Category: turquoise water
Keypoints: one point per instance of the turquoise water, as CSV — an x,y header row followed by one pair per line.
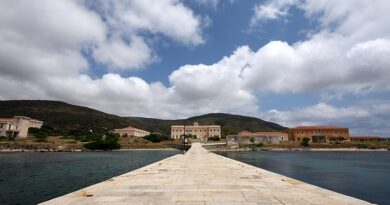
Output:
x,y
30,178
364,175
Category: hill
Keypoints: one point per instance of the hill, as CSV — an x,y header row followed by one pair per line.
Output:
x,y
236,123
64,117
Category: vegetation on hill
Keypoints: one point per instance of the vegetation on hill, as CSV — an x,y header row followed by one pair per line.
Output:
x,y
78,122
65,119
230,124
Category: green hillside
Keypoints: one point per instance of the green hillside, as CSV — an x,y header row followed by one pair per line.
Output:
x,y
236,123
64,117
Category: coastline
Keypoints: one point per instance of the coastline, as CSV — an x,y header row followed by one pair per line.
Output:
x,y
82,150
298,150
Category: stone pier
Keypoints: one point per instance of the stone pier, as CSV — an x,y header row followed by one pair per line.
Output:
x,y
201,177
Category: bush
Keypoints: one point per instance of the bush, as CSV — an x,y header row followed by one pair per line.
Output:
x,y
156,137
259,144
214,138
305,142
40,140
103,142
361,146
101,145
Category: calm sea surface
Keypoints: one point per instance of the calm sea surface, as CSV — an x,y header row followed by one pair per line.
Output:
x,y
364,175
30,178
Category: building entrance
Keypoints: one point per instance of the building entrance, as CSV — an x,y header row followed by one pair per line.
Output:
x,y
318,138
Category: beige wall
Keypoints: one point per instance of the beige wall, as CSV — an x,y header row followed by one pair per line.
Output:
x,y
200,131
131,131
18,126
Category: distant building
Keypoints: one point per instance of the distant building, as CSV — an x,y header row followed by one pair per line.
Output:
x,y
131,131
246,137
317,133
17,127
367,139
198,131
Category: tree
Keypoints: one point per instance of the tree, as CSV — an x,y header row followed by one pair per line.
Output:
x,y
104,142
252,140
336,140
154,137
305,142
213,138
226,130
340,140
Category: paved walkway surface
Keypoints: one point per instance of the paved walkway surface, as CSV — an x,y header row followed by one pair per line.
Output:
x,y
201,177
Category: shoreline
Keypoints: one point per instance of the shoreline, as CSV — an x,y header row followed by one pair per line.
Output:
x,y
300,150
81,150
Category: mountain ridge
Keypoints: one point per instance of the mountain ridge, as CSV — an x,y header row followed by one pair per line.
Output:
x,y
64,116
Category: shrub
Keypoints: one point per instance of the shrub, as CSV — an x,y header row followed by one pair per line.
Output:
x,y
214,138
40,140
154,137
259,144
361,146
305,142
103,142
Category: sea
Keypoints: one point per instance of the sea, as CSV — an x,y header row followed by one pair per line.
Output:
x,y
360,174
34,177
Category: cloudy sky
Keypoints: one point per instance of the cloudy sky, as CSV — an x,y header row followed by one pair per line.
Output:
x,y
293,62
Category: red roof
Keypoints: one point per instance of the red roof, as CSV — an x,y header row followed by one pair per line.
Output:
x,y
6,119
130,128
365,137
318,127
245,133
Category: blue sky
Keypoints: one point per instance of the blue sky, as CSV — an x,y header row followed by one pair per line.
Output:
x,y
293,62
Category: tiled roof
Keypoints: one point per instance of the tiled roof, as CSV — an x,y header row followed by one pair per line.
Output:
x,y
6,119
365,137
131,128
318,127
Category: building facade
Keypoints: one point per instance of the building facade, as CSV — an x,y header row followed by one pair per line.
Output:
x,y
202,132
17,127
246,137
131,131
320,134
367,139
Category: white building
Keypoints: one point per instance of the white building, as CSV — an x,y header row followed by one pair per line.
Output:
x,y
199,131
131,131
17,127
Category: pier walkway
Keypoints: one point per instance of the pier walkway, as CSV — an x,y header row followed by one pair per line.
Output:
x,y
201,177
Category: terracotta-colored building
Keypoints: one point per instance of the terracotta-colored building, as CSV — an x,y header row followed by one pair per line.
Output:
x,y
317,133
366,139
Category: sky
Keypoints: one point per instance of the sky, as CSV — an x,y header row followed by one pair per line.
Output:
x,y
292,62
